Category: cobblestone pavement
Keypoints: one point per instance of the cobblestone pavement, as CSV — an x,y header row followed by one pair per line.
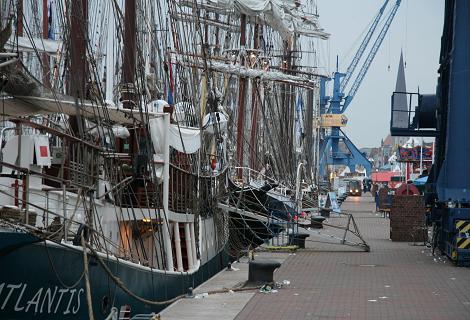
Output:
x,y
392,281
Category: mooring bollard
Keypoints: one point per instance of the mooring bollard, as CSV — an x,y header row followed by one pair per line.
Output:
x,y
325,212
298,239
262,271
190,293
317,222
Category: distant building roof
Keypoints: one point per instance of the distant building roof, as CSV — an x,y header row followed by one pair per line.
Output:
x,y
375,152
388,141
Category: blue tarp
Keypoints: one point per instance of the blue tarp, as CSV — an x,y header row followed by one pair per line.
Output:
x,y
420,181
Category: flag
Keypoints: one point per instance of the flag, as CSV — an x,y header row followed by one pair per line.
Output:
x,y
170,97
171,86
298,122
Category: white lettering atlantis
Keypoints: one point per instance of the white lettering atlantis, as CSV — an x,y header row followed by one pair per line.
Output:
x,y
62,291
50,299
17,308
34,300
44,300
81,291
67,311
12,287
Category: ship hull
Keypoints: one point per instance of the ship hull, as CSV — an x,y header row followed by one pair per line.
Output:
x,y
45,281
248,232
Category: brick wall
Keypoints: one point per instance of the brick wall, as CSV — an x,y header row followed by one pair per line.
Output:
x,y
407,215
384,198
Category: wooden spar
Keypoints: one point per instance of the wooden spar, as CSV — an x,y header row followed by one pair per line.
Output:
x,y
77,68
296,71
19,16
186,17
45,20
128,70
254,108
78,32
45,35
241,104
52,131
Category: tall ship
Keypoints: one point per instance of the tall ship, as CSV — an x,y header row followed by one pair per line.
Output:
x,y
270,86
108,196
144,144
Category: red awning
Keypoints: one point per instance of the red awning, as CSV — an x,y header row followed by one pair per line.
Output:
x,y
383,176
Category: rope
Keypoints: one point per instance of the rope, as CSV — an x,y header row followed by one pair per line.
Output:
x,y
112,314
57,273
121,285
87,281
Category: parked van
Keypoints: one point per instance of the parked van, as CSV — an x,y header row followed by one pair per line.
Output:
x,y
355,188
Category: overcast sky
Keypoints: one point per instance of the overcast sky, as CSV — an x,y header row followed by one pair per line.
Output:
x,y
416,29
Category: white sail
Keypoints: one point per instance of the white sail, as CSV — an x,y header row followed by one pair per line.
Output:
x,y
25,44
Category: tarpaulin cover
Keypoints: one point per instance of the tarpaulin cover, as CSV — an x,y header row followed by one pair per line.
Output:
x,y
183,139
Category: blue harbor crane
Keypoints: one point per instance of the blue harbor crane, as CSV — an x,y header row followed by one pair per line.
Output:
x,y
333,107
445,115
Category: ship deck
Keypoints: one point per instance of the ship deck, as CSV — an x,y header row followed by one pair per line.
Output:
x,y
395,280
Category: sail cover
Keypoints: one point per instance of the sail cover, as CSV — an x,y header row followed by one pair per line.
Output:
x,y
284,16
183,139
242,71
25,44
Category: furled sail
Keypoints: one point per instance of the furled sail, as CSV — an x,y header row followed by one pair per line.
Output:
x,y
242,71
283,16
25,44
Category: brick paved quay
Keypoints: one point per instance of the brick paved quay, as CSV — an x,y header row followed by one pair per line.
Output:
x,y
393,281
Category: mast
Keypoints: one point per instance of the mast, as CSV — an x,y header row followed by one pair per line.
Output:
x,y
293,159
241,102
77,68
45,35
110,56
76,87
286,130
309,131
78,32
254,107
128,72
20,16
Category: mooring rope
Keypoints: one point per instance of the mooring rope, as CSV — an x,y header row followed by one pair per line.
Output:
x,y
121,285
